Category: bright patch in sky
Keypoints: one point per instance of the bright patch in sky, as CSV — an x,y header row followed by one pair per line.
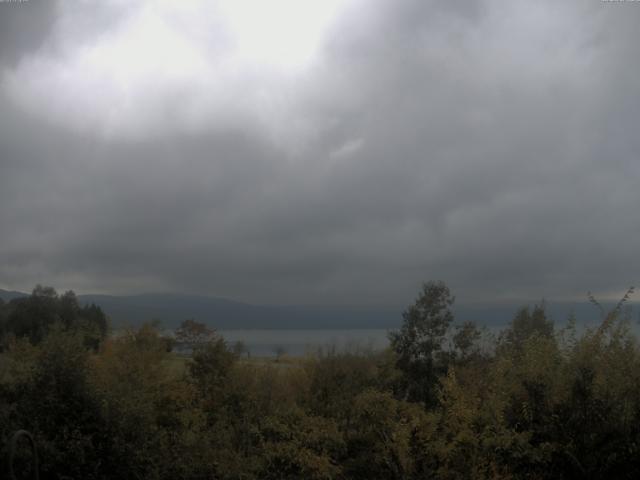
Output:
x,y
284,33
166,64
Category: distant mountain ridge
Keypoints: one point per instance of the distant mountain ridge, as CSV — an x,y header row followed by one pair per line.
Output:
x,y
170,309
8,295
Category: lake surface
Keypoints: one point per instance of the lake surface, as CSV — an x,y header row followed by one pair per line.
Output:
x,y
298,342
265,343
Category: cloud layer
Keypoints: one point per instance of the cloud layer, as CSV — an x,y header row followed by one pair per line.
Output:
x,y
493,145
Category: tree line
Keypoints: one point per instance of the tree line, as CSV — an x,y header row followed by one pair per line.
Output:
x,y
444,401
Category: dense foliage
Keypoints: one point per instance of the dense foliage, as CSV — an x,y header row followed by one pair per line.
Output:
x,y
444,401
34,316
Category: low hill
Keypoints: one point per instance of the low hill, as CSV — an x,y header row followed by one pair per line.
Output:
x,y
171,309
8,295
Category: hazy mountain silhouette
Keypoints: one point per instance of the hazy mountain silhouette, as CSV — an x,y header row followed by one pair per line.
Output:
x,y
8,295
171,309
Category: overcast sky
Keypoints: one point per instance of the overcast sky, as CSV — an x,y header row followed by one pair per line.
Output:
x,y
320,152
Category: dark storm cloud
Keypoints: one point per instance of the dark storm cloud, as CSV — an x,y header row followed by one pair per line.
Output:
x,y
491,145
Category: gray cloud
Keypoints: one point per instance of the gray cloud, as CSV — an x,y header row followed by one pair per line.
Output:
x,y
491,145
24,27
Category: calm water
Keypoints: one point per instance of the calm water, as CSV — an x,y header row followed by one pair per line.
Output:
x,y
262,343
265,343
